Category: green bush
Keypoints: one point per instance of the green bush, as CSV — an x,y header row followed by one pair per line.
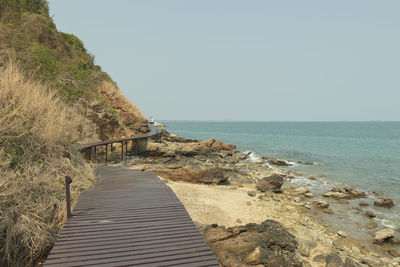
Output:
x,y
17,7
45,62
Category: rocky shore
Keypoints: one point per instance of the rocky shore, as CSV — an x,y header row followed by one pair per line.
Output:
x,y
250,214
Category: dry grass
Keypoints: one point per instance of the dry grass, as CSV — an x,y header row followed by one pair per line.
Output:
x,y
37,133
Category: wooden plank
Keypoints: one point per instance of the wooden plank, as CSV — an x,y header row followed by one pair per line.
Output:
x,y
129,218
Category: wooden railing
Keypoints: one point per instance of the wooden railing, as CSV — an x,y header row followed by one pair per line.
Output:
x,y
154,132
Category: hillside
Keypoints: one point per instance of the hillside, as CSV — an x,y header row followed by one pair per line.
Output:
x,y
52,97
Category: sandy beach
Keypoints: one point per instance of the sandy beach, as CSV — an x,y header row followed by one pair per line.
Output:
x,y
222,190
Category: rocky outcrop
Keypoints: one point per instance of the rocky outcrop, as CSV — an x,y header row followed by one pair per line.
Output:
x,y
271,183
265,244
201,175
218,145
383,236
344,192
320,204
275,162
384,202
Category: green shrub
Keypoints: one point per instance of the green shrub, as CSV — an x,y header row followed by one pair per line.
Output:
x,y
74,41
44,62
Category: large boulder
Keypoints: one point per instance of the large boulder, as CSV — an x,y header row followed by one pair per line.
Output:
x,y
267,244
384,202
272,183
344,192
198,175
333,260
383,236
218,145
320,204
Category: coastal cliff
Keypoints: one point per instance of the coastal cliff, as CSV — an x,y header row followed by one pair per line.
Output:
x,y
52,97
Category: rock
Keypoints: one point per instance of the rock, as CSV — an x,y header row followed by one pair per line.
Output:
x,y
383,235
218,145
333,260
312,178
201,175
306,264
301,191
304,249
239,221
309,195
394,252
278,261
254,256
271,183
338,245
252,193
328,211
248,203
268,244
342,233
350,263
308,163
355,250
363,204
320,204
370,214
384,202
320,258
371,261
344,192
322,176
276,162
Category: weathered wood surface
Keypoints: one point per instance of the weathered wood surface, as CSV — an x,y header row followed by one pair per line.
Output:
x,y
130,218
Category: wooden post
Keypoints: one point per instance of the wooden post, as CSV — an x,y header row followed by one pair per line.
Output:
x,y
90,153
68,181
122,150
95,153
126,148
106,153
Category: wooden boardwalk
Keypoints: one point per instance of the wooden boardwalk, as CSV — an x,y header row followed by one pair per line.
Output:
x,y
130,218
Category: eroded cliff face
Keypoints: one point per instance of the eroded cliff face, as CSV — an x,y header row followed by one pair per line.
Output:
x,y
60,61
113,116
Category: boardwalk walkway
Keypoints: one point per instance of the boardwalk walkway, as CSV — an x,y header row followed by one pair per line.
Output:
x,y
130,218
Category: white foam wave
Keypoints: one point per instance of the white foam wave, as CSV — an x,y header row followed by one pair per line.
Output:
x,y
253,157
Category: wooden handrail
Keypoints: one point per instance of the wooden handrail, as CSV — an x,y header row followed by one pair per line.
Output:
x,y
154,131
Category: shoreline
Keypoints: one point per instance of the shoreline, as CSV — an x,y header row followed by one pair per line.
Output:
x,y
291,208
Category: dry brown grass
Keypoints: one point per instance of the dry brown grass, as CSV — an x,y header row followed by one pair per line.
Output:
x,y
37,133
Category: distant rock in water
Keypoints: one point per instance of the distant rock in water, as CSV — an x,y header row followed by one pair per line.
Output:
x,y
276,162
267,244
218,145
344,192
384,202
320,204
383,236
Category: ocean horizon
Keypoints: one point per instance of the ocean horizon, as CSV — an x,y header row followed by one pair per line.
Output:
x,y
363,154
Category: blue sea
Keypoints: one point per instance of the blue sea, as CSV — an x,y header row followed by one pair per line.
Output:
x,y
361,154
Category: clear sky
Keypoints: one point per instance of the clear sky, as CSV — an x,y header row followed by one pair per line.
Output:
x,y
246,60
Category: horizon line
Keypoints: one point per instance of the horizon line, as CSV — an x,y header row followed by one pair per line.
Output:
x,y
172,120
